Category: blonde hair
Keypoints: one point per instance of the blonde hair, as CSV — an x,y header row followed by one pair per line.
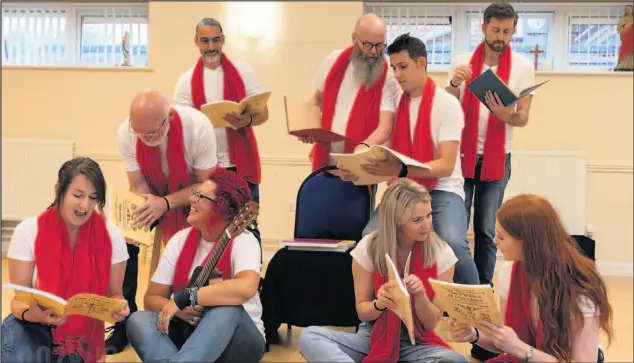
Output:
x,y
394,211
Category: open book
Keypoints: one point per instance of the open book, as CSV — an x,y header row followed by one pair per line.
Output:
x,y
468,304
353,162
90,305
303,119
402,297
121,206
216,111
489,81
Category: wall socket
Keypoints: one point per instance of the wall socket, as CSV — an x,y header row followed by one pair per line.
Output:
x,y
291,206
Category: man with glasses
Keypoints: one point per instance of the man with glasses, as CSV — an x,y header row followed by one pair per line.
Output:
x,y
166,151
356,92
215,78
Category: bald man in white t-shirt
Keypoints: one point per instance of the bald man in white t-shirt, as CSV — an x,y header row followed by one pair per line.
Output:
x,y
166,151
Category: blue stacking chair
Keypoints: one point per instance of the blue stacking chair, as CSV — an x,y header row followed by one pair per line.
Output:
x,y
304,288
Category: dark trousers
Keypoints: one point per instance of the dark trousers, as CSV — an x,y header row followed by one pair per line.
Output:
x,y
130,280
486,196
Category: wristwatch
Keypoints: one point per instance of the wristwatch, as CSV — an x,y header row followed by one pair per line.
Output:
x,y
528,354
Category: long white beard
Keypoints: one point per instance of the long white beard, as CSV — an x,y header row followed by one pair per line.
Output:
x,y
366,70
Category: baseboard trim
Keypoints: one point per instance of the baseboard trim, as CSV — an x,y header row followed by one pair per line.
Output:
x,y
616,269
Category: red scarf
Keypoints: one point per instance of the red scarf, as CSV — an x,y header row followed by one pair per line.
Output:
x,y
627,42
518,314
187,255
423,146
385,338
65,273
494,155
243,147
149,159
364,115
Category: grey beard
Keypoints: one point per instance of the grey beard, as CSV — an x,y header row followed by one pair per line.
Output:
x,y
366,70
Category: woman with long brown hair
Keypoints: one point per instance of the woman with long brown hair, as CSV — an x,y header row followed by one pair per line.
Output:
x,y
553,300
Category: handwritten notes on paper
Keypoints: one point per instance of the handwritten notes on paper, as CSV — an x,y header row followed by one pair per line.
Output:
x,y
469,304
121,206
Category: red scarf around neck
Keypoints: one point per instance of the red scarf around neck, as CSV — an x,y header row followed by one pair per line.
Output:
x,y
518,313
627,43
385,338
494,156
364,115
243,146
188,254
149,159
66,272
422,147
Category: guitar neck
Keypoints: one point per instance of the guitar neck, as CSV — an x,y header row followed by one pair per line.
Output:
x,y
218,249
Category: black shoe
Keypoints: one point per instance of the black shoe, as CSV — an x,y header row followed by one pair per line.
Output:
x,y
117,340
482,354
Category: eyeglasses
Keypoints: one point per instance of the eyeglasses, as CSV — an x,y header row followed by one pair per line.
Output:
x,y
368,45
197,195
151,134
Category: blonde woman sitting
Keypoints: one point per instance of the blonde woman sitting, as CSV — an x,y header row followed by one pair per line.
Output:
x,y
553,300
405,225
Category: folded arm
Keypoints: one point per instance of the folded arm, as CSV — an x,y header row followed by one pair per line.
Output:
x,y
235,291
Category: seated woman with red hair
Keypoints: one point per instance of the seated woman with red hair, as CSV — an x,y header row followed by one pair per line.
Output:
x,y
226,316
553,300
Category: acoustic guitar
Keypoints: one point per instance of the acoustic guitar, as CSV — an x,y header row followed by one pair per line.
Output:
x,y
180,330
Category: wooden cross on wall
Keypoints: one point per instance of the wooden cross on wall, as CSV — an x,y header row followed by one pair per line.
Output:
x,y
537,52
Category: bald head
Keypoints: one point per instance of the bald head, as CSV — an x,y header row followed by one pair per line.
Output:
x,y
149,110
370,23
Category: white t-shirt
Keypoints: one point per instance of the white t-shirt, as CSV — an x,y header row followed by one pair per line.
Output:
x,y
446,258
245,256
522,76
447,121
199,142
214,90
22,246
504,284
348,93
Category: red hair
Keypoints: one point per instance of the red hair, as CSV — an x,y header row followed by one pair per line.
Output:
x,y
559,274
232,192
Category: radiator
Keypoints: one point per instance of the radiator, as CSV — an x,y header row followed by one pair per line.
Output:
x,y
559,176
29,174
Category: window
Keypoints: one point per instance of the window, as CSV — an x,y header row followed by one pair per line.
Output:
x,y
531,34
431,25
565,37
75,36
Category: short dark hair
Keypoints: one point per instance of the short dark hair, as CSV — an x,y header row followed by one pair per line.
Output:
x,y
74,167
414,47
500,11
209,22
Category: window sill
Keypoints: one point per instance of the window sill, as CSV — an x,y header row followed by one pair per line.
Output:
x,y
441,72
80,68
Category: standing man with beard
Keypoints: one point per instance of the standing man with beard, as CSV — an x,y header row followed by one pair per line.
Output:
x,y
356,92
487,135
166,152
216,78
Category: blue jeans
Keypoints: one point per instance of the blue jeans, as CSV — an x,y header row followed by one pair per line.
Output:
x,y
450,223
224,334
24,341
486,196
318,344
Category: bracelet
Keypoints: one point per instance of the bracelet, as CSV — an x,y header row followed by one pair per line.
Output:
x,y
376,307
193,297
477,336
528,354
453,85
182,298
22,315
168,203
250,122
363,143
